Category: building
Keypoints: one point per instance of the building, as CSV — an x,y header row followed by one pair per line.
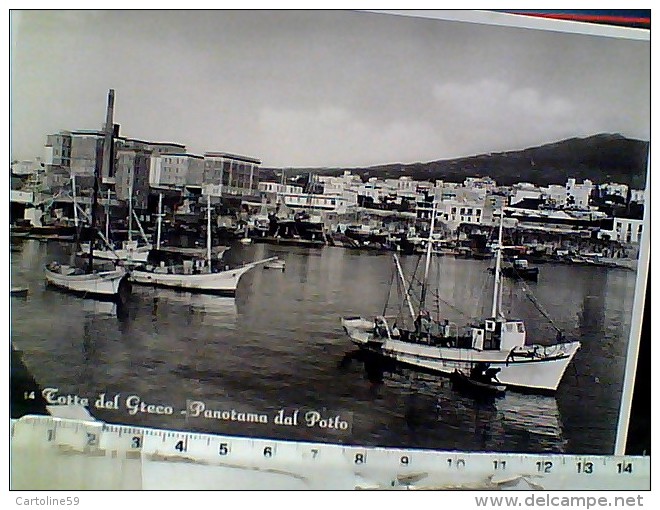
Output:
x,y
231,175
177,170
637,195
578,195
524,190
132,176
624,230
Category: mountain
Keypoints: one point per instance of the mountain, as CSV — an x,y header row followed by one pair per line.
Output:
x,y
602,158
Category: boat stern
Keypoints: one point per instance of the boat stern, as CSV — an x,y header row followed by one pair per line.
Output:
x,y
358,329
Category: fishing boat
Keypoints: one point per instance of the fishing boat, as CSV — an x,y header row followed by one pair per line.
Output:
x,y
519,269
442,347
89,282
96,284
194,275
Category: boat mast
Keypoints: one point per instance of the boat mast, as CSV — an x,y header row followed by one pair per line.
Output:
x,y
107,162
130,208
495,313
160,219
405,286
208,231
75,209
429,248
107,217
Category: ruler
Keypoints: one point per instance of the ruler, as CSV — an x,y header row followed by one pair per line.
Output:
x,y
57,453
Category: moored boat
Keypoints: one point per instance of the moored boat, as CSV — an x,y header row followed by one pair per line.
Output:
x,y
106,284
478,387
442,347
196,275
180,277
129,252
275,264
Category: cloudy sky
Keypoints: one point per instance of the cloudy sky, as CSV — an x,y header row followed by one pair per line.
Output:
x,y
320,88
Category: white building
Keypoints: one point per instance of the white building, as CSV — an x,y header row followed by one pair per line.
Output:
x,y
270,188
612,188
637,195
578,195
525,190
455,212
625,230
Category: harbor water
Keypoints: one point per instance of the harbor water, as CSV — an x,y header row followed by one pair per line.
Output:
x,y
278,348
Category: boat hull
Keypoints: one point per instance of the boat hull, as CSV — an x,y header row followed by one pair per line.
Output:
x,y
105,284
222,283
524,371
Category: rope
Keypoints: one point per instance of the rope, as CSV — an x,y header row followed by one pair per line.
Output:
x,y
538,306
389,291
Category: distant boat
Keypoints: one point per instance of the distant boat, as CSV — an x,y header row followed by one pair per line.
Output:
x,y
18,291
275,264
246,239
519,270
129,252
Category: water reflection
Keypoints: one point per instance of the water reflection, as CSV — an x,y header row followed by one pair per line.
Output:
x,y
434,407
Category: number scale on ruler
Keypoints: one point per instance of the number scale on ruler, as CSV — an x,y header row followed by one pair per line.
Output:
x,y
189,460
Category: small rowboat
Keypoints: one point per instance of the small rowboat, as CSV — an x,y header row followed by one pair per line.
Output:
x,y
276,264
464,382
18,291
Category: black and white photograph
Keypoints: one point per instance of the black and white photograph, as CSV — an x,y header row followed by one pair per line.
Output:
x,y
341,227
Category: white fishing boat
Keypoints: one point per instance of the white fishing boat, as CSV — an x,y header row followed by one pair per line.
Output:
x,y
175,277
95,284
195,275
441,347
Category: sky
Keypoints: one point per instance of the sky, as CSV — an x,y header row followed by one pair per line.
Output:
x,y
320,88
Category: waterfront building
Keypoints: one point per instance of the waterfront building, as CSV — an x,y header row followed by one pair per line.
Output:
x,y
231,175
132,175
624,230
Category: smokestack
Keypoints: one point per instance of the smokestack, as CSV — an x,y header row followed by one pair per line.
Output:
x,y
107,170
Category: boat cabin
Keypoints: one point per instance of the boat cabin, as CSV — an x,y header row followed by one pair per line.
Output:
x,y
498,335
521,264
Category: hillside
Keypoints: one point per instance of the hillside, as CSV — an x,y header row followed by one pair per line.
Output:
x,y
602,158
